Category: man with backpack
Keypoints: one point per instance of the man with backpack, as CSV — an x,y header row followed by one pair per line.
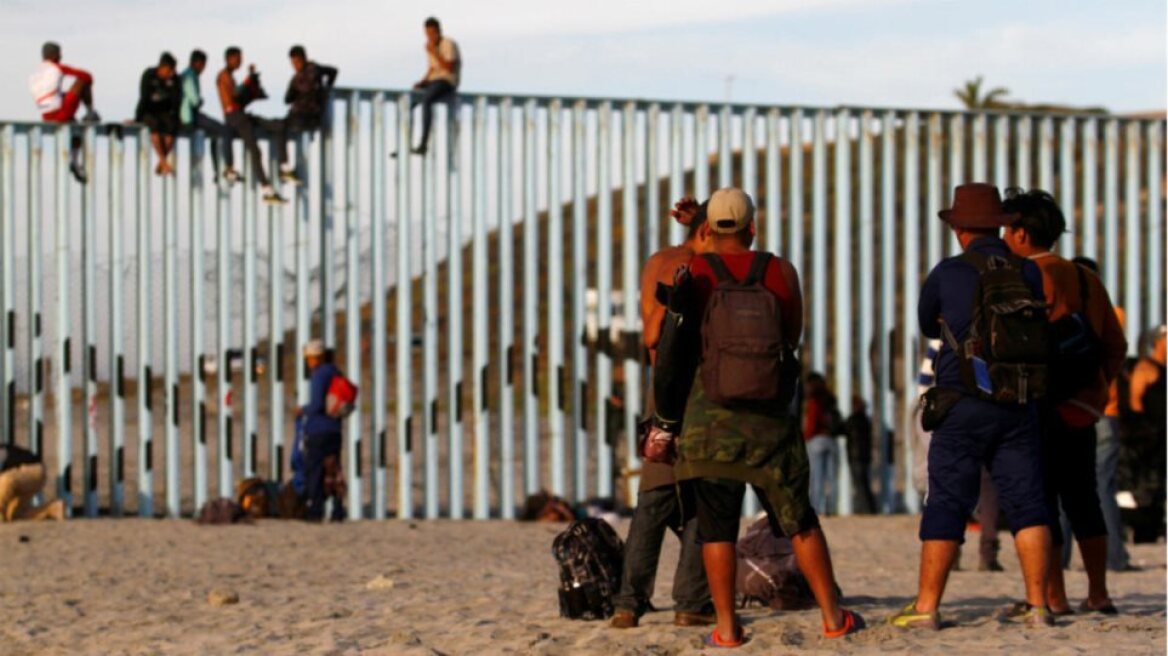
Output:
x,y
308,92
1089,349
987,306
740,427
322,435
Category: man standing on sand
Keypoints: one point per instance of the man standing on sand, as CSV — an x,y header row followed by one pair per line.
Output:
x,y
1080,310
441,78
234,99
975,432
753,437
658,501
57,107
322,437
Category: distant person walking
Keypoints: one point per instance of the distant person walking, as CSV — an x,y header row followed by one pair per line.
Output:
x,y
307,96
821,421
740,426
192,117
159,102
1090,348
235,99
660,498
979,409
859,429
57,106
441,79
322,437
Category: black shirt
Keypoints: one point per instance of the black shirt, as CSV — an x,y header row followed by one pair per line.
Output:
x,y
157,97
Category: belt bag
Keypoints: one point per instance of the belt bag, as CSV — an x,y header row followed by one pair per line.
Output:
x,y
936,405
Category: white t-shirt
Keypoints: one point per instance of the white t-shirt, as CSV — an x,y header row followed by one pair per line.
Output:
x,y
45,85
448,50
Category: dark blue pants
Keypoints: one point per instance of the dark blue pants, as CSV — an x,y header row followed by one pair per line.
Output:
x,y
432,92
1003,439
316,449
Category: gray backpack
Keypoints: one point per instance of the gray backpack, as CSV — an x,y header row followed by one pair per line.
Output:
x,y
743,350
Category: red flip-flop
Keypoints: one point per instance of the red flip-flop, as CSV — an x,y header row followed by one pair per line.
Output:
x,y
713,641
852,622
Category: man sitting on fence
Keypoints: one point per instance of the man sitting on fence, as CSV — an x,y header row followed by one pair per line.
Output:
x,y
308,92
441,79
159,101
56,106
192,117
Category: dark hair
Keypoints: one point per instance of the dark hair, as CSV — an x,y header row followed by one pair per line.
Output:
x,y
232,50
1087,263
167,59
298,51
1038,214
50,49
433,22
698,220
198,56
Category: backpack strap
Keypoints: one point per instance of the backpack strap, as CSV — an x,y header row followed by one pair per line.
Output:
x,y
758,268
720,271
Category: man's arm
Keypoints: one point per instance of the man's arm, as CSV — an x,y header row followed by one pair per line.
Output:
x,y
78,73
929,307
793,312
651,310
447,55
1111,337
144,92
190,91
226,89
328,75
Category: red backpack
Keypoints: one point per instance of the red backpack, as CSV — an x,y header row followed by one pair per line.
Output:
x,y
341,398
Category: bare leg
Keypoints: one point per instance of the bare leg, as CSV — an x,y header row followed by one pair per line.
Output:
x,y
1036,557
814,560
159,143
1056,586
936,559
1094,552
85,92
721,561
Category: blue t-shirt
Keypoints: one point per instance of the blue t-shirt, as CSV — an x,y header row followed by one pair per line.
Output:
x,y
948,293
316,422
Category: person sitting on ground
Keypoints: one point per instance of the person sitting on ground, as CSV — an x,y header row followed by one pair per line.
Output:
x,y
658,504
234,99
192,117
740,423
22,477
441,78
1076,297
308,92
56,106
322,437
159,101
973,428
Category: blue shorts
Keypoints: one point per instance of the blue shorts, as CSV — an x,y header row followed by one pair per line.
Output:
x,y
1006,440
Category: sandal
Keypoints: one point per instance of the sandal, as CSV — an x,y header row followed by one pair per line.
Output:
x,y
1106,609
911,618
852,622
714,642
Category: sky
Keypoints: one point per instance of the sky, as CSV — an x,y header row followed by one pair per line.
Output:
x,y
898,53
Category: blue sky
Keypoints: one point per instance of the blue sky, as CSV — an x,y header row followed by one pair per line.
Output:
x,y
826,52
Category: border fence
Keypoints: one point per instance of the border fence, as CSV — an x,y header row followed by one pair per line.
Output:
x,y
484,295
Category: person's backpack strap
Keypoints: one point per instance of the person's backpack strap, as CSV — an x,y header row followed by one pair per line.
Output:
x,y
720,271
758,269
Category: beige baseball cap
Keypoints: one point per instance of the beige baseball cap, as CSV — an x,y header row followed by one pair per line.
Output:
x,y
730,211
314,348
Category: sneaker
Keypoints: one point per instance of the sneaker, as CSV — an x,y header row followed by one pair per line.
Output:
x,y
289,176
625,619
91,117
78,172
911,618
420,150
1030,616
273,197
231,176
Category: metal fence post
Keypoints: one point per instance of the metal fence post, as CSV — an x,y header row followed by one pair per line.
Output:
x,y
170,341
144,216
725,147
957,175
250,200
506,319
224,403
555,297
844,364
275,369
198,216
8,284
63,396
481,292
1090,227
1133,249
353,305
1111,208
934,192
888,261
117,418
867,288
652,182
379,336
1067,186
89,317
1155,259
36,342
403,281
774,185
702,152
604,457
531,448
630,306
430,332
795,245
819,243
579,301
912,280
676,170
454,313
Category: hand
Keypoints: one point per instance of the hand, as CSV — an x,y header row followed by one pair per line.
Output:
x,y
299,411
419,84
251,69
432,48
684,210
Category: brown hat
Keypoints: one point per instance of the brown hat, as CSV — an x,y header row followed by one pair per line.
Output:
x,y
977,205
730,211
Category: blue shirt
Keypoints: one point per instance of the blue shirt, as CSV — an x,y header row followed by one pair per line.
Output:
x,y
316,422
192,99
948,293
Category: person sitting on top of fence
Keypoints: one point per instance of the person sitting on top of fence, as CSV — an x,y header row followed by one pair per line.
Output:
x,y
22,477
322,437
235,99
192,117
159,100
57,107
308,92
441,79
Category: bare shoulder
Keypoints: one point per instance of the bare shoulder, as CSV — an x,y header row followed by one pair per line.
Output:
x,y
665,262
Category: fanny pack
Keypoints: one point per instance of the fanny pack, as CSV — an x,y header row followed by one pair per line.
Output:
x,y
936,404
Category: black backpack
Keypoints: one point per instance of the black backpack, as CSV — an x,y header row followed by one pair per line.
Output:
x,y
1004,357
590,556
743,350
768,573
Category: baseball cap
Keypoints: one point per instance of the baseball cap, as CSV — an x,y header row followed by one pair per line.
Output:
x,y
730,211
314,348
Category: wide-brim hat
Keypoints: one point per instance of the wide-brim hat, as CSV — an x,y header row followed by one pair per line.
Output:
x,y
977,205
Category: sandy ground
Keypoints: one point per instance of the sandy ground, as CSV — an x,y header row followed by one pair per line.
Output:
x,y
142,586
